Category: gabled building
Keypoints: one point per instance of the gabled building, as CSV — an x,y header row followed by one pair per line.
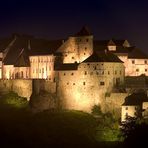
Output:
x,y
135,61
135,105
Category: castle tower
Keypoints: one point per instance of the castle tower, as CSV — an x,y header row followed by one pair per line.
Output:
x,y
78,47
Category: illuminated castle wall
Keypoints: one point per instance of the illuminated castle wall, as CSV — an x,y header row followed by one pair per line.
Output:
x,y
42,67
86,86
77,49
84,72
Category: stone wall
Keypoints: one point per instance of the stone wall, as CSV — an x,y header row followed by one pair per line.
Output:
x,y
22,87
44,85
113,103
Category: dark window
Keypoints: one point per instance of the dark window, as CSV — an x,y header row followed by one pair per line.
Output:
x,y
95,67
115,72
126,114
67,83
145,70
137,70
145,61
126,108
73,58
133,61
73,83
102,72
84,53
72,74
102,83
108,72
64,74
85,73
120,72
83,83
87,40
85,48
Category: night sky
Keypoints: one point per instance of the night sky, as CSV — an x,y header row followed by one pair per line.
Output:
x,y
56,19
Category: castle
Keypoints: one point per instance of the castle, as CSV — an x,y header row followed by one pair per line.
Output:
x,y
84,70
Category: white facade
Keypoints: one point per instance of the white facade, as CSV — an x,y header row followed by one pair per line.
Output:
x,y
128,110
42,67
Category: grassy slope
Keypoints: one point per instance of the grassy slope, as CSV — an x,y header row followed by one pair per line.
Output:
x,y
20,128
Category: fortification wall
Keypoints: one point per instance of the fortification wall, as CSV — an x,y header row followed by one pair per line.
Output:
x,y
22,87
113,103
44,85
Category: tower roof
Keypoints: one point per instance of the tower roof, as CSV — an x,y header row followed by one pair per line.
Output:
x,y
103,56
84,32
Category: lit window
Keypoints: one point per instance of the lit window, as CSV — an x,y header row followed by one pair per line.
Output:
x,y
133,61
102,83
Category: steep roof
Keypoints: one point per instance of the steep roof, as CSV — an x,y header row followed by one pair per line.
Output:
x,y
135,99
83,32
137,54
119,42
15,51
103,56
31,46
43,47
22,60
66,67
4,43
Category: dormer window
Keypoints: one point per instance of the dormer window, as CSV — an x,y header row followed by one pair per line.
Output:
x,y
111,48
